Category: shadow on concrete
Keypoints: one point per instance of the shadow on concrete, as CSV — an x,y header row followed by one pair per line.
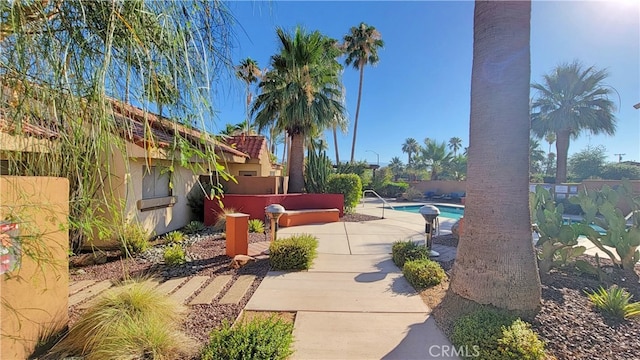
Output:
x,y
371,277
424,341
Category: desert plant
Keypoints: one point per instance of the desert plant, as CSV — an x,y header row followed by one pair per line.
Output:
x,y
423,273
615,302
294,253
174,255
174,237
600,208
558,241
194,227
403,251
317,172
134,239
493,335
221,219
259,338
349,185
131,321
256,226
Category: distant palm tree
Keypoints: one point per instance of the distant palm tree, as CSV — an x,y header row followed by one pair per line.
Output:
x,y
572,99
436,156
249,72
410,146
397,167
455,143
301,93
536,156
361,46
550,138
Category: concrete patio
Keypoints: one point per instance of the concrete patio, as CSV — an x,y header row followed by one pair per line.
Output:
x,y
354,302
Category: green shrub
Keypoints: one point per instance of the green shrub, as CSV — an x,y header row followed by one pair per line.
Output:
x,y
134,239
519,342
617,171
413,194
403,251
174,237
194,227
423,273
294,253
132,321
174,255
615,302
493,335
349,185
392,189
260,338
256,226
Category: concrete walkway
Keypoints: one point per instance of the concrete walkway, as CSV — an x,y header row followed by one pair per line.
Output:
x,y
354,302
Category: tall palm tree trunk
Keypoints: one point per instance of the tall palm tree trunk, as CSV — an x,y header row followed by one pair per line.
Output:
x,y
355,123
335,144
495,261
562,149
296,178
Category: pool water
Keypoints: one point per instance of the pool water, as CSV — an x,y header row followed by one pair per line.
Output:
x,y
451,212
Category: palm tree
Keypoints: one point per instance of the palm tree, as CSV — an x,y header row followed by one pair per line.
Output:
x,y
301,93
435,156
397,167
550,138
410,146
455,143
495,263
361,47
249,72
536,156
572,99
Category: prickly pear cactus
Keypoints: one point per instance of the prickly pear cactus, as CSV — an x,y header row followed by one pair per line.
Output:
x,y
558,241
622,232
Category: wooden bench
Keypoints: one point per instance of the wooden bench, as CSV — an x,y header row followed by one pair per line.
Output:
x,y
308,216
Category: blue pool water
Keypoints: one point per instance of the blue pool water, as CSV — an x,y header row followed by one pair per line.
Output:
x,y
454,212
451,212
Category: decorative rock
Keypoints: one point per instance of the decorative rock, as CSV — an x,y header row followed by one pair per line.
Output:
x,y
89,259
240,261
455,229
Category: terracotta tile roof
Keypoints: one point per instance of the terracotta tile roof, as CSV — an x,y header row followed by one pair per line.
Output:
x,y
137,127
248,144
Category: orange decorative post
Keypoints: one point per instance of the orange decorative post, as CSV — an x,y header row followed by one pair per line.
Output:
x,y
237,231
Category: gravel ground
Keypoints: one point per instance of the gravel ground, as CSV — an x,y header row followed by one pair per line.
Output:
x,y
206,257
567,321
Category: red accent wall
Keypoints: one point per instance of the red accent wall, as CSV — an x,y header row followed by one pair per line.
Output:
x,y
254,204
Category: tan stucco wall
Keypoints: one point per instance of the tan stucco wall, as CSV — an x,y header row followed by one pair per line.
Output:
x,y
125,187
252,185
167,219
24,144
35,297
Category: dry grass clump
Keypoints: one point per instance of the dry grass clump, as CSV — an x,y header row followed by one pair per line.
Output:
x,y
132,321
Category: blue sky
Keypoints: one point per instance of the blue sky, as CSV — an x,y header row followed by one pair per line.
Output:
x,y
421,86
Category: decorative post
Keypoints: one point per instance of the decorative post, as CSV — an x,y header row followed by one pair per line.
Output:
x,y
274,211
430,214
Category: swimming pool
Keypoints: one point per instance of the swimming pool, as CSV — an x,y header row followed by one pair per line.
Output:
x,y
455,212
451,212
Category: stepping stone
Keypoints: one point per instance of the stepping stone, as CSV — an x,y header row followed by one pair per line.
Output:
x,y
79,285
89,292
237,290
189,288
170,285
211,291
